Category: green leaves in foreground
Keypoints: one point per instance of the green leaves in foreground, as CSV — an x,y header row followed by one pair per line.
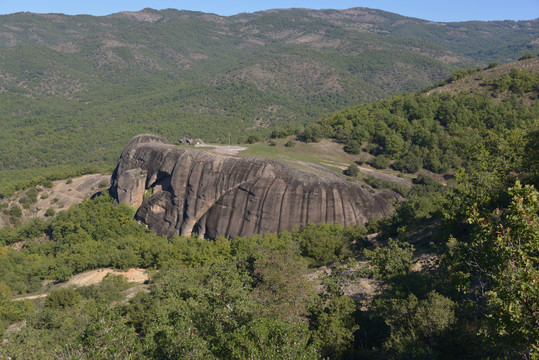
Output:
x,y
503,255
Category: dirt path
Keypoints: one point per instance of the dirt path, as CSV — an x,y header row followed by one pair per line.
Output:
x,y
94,277
223,149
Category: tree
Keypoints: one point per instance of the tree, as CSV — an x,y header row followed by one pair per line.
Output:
x,y
352,170
503,258
417,327
290,143
391,260
380,162
281,285
251,139
353,147
526,56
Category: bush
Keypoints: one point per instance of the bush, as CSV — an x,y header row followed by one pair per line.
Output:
x,y
251,139
62,298
527,55
352,170
290,143
323,243
353,147
50,212
312,133
15,211
409,164
380,162
391,260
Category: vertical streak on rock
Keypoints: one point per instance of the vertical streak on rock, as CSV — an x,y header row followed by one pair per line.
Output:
x,y
322,206
281,209
337,205
261,210
308,207
344,222
295,207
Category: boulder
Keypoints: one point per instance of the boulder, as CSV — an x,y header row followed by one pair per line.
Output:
x,y
217,195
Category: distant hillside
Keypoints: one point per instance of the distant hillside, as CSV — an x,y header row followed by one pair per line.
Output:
x,y
489,81
444,129
74,88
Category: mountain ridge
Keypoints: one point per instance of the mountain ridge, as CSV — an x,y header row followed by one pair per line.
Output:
x,y
73,88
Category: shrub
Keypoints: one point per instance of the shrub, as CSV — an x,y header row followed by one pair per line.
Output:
x,y
527,55
353,147
62,298
380,162
352,170
409,164
251,139
290,143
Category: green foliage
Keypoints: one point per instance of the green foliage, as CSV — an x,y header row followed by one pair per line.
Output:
x,y
251,139
526,56
290,144
502,254
62,298
380,162
281,287
352,170
312,133
324,243
391,260
462,73
353,147
334,326
417,327
439,131
378,183
517,82
410,163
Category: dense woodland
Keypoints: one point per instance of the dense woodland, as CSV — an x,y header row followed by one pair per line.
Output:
x,y
454,271
75,89
258,297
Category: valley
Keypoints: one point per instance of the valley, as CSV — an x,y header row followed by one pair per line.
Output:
x,y
367,186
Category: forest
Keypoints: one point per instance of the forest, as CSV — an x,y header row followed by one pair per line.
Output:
x,y
454,270
74,89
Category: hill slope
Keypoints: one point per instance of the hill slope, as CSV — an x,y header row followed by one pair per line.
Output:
x,y
74,88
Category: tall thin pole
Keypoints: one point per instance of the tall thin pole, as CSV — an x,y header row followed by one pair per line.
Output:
x,y
229,140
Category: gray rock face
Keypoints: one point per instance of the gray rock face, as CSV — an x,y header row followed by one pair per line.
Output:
x,y
217,195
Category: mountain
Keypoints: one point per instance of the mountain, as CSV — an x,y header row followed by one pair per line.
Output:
x,y
74,88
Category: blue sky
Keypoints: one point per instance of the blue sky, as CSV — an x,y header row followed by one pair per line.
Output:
x,y
435,10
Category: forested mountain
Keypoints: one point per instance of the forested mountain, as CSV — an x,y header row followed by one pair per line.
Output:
x,y
439,129
450,274
73,89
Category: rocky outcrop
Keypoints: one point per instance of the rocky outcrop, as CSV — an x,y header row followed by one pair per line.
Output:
x,y
215,195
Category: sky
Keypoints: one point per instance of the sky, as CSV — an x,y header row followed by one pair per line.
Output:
x,y
434,10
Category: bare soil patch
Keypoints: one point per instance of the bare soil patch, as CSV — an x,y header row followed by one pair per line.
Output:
x,y
62,195
223,149
93,277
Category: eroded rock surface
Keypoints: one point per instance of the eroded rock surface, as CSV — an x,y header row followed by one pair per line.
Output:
x,y
216,195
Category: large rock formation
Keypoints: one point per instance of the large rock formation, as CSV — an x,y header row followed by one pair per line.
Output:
x,y
215,195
